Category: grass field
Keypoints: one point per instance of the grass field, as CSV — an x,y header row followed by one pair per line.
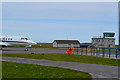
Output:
x,y
69,58
20,70
0,69
49,45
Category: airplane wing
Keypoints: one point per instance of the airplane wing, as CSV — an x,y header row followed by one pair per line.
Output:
x,y
4,44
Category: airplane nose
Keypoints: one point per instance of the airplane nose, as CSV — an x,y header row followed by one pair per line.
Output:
x,y
34,43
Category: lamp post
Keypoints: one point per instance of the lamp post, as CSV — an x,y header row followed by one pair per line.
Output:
x,y
119,22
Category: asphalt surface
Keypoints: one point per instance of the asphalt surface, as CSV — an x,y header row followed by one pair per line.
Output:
x,y
31,50
97,71
49,51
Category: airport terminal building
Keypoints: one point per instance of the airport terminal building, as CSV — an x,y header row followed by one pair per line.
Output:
x,y
66,43
108,40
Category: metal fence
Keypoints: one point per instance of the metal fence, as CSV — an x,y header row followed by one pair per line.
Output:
x,y
99,52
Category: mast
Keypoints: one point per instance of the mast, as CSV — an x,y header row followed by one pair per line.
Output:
x,y
119,23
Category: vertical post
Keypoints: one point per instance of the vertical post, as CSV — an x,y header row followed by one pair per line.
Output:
x,y
81,51
119,22
103,52
86,50
96,51
91,51
77,50
99,52
116,53
119,28
109,52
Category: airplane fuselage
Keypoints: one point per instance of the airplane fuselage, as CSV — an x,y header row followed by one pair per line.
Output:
x,y
16,41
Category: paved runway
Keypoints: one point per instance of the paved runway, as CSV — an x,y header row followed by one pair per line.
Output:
x,y
46,51
31,50
97,71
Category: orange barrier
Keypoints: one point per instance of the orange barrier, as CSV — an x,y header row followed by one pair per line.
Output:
x,y
70,50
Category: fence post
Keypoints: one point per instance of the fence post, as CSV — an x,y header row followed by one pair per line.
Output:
x,y
81,51
103,52
91,51
86,50
109,52
77,50
99,51
96,51
116,53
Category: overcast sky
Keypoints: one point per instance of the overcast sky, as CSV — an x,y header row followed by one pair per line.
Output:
x,y
45,22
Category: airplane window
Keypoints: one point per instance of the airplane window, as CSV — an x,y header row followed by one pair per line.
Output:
x,y
22,38
26,38
3,38
9,38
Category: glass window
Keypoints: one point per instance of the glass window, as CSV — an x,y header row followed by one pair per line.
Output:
x,y
22,38
3,38
26,38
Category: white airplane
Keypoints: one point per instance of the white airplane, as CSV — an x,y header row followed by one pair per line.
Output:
x,y
16,41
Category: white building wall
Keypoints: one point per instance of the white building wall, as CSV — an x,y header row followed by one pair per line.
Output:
x,y
65,45
98,42
55,44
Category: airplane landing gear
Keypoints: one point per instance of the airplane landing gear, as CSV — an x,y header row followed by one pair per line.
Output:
x,y
0,47
26,49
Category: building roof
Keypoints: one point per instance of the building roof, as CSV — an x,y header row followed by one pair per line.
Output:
x,y
104,38
67,41
86,43
108,33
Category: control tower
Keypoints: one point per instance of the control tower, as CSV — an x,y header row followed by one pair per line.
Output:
x,y
107,40
108,35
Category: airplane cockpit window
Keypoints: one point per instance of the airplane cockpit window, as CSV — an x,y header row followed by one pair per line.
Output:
x,y
24,38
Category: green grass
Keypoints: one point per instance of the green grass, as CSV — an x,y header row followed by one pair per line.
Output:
x,y
0,69
49,45
105,50
20,70
117,46
69,58
43,46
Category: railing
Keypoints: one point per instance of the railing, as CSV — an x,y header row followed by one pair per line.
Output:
x,y
99,52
